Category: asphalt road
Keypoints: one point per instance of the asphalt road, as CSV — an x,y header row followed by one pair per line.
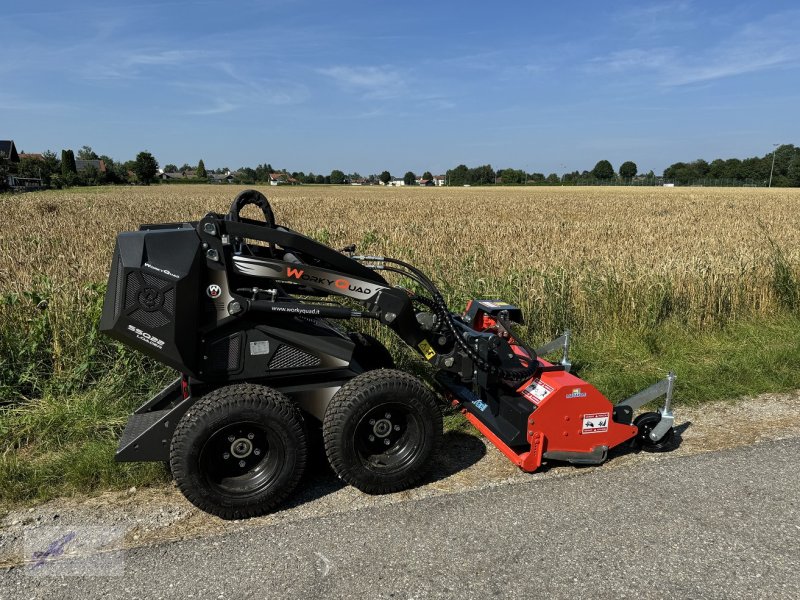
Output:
x,y
716,525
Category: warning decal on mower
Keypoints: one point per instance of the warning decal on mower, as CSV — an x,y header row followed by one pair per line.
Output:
x,y
537,391
427,351
595,423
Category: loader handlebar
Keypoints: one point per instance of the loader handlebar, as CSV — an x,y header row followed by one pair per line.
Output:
x,y
251,197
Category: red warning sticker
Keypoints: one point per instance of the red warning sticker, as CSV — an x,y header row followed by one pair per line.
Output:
x,y
595,423
537,391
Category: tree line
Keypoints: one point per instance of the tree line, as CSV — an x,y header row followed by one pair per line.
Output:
x,y
780,168
59,172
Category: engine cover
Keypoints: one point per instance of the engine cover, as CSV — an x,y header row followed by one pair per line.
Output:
x,y
153,298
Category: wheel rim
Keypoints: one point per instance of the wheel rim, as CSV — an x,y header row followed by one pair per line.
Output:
x,y
242,459
646,425
389,437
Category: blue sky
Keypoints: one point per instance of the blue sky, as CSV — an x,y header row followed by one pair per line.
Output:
x,y
368,86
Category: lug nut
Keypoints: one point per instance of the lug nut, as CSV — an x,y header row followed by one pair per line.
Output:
x,y
397,427
250,436
386,442
226,456
372,421
257,452
242,464
231,438
388,415
372,438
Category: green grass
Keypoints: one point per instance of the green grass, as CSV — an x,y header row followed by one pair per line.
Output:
x,y
64,443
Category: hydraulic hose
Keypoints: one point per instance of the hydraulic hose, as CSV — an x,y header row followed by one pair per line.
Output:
x,y
441,310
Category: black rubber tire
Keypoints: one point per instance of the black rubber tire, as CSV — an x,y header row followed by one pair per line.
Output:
x,y
208,482
369,352
414,435
646,422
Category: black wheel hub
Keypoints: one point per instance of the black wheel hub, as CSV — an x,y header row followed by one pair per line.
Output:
x,y
241,459
388,437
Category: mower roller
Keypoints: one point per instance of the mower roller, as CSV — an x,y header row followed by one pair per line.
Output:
x,y
246,311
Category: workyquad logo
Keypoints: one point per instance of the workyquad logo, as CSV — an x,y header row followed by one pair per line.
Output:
x,y
146,337
341,283
213,291
576,393
166,272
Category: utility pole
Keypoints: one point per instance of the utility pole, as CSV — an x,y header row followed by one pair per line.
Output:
x,y
774,147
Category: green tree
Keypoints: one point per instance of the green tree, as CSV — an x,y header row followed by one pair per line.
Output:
x,y
603,171
512,176
386,177
337,177
793,170
458,176
5,171
201,170
319,179
69,172
145,167
409,178
482,175
628,170
170,168
86,153
427,175
552,178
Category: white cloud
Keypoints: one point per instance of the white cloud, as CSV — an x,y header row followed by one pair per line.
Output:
x,y
375,82
766,44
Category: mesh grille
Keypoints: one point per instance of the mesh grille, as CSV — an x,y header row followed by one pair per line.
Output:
x,y
132,288
150,300
149,318
118,288
224,353
169,301
289,357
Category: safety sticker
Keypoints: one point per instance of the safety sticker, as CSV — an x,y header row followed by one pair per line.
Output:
x,y
426,349
537,391
495,304
259,347
595,423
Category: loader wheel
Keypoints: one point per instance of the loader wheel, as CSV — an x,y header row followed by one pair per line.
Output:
x,y
239,451
646,422
381,430
369,352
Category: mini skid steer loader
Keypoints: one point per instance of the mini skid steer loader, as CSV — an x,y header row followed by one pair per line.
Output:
x,y
245,310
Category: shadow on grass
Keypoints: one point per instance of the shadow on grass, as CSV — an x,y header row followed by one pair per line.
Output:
x,y
457,452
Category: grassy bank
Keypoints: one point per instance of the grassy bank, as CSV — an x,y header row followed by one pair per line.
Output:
x,y
60,444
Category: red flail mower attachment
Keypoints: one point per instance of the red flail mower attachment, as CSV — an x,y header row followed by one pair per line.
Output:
x,y
569,420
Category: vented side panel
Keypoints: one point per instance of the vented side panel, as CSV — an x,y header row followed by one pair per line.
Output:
x,y
290,357
149,300
225,354
119,271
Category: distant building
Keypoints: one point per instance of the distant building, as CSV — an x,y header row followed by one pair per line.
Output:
x,y
282,179
8,151
82,165
221,177
439,179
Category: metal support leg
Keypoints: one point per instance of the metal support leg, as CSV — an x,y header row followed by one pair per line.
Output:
x,y
562,342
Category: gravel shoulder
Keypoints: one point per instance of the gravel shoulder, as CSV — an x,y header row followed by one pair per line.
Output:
x,y
466,464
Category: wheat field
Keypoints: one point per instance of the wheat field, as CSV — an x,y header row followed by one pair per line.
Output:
x,y
570,257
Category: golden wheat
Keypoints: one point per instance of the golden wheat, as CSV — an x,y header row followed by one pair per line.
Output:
x,y
580,255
